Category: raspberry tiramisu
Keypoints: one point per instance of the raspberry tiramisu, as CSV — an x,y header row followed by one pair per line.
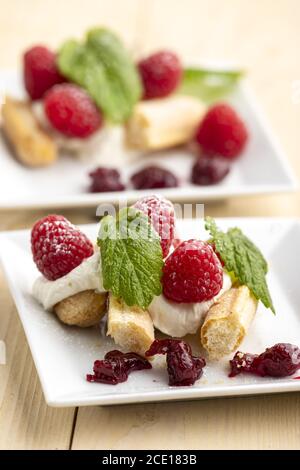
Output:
x,y
145,279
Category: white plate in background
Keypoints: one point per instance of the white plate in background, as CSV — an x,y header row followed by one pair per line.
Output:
x,y
64,355
262,168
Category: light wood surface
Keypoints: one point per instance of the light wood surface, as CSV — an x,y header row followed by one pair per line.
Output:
x,y
264,36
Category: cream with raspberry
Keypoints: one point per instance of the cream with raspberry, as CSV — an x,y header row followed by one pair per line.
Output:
x,y
69,144
87,276
192,280
67,260
180,319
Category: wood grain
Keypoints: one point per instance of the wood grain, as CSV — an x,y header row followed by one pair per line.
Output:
x,y
237,423
263,36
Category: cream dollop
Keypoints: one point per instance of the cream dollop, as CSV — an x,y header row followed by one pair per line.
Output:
x,y
87,276
180,319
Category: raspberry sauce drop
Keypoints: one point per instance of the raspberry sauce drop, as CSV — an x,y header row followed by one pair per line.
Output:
x,y
116,366
154,177
281,360
105,180
183,368
209,170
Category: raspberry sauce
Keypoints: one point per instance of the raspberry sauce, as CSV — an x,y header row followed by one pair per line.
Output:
x,y
154,177
116,366
105,180
183,368
281,360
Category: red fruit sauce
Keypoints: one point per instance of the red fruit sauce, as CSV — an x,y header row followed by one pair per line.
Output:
x,y
183,368
281,360
116,366
105,179
154,177
209,170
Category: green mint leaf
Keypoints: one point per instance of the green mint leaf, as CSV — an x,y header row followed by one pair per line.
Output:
x,y
209,85
242,258
102,66
131,257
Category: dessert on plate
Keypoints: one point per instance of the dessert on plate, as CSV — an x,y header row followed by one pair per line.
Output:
x,y
139,279
90,93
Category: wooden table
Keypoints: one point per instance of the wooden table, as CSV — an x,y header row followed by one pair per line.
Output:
x,y
264,36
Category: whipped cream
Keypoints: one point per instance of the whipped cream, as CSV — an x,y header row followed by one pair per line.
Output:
x,y
87,276
68,144
180,319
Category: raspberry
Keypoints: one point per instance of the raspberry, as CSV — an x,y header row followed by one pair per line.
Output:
x,y
71,111
161,214
209,170
40,71
160,73
192,273
222,132
105,179
58,246
154,177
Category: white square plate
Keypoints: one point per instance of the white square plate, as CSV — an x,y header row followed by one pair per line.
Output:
x,y
262,169
63,355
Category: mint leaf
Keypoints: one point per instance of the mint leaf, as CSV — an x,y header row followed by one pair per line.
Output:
x,y
131,257
209,85
103,67
242,257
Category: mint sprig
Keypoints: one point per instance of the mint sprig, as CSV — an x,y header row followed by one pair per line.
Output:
x,y
207,84
131,257
104,68
242,258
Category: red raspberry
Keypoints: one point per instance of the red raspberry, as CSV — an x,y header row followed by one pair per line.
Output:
x,y
161,214
58,246
71,111
192,273
40,71
222,132
161,74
